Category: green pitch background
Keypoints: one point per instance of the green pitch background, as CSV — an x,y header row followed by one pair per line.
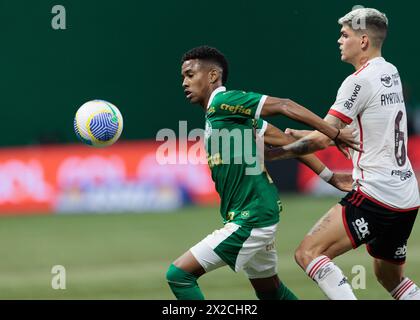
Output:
x,y
125,256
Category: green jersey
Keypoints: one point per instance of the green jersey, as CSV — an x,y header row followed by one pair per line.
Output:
x,y
248,195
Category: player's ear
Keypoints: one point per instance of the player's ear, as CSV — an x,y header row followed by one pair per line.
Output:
x,y
364,41
214,75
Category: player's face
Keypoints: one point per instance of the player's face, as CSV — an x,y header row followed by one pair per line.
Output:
x,y
195,81
349,43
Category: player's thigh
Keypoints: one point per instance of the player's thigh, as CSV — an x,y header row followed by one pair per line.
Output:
x,y
261,270
189,263
235,246
328,236
391,243
220,248
263,264
261,267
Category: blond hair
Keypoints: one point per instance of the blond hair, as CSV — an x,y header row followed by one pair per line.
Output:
x,y
370,20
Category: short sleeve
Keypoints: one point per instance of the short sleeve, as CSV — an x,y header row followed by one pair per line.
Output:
x,y
260,126
352,98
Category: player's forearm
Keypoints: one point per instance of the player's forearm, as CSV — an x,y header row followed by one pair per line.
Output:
x,y
301,147
292,110
276,138
312,162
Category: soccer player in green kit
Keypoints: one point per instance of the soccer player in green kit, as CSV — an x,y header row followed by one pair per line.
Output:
x,y
250,204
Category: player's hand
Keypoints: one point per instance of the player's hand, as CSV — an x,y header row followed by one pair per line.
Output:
x,y
346,138
342,181
297,134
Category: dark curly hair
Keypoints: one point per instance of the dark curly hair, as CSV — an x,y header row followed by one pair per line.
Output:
x,y
209,54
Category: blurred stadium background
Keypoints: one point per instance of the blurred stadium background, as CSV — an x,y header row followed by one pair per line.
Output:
x,y
114,218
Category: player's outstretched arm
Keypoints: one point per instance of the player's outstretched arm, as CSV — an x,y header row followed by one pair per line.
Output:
x,y
282,145
277,138
313,142
275,106
340,180
298,134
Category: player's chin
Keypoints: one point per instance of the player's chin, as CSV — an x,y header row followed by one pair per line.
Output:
x,y
193,99
344,57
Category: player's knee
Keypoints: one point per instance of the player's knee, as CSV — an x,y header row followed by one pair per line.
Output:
x,y
177,275
307,252
303,256
172,274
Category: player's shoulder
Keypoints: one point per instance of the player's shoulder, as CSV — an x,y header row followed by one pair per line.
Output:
x,y
371,69
354,79
372,74
231,95
364,74
353,85
234,93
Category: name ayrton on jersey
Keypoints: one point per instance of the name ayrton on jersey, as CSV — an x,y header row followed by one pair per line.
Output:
x,y
392,98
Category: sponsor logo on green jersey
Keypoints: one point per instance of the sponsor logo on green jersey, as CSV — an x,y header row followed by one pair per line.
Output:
x,y
235,109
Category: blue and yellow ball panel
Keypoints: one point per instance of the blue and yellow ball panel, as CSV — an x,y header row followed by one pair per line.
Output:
x,y
103,126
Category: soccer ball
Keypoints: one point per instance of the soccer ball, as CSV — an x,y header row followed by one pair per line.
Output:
x,y
98,123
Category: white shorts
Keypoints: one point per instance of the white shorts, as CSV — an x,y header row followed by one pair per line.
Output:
x,y
250,249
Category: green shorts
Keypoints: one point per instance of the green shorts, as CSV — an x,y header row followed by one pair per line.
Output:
x,y
250,249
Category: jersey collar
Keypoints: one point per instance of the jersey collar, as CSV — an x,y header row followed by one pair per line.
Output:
x,y
376,59
213,94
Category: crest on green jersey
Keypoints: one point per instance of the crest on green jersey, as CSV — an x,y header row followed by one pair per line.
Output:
x,y
245,214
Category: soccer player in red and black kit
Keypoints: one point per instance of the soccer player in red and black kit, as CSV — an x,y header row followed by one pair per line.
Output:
x,y
381,209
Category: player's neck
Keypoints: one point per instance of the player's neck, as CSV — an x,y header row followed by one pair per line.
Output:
x,y
362,60
212,87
